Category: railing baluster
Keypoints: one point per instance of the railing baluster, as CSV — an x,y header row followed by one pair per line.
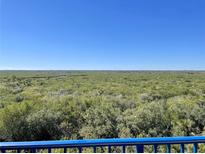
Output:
x,y
18,150
168,148
123,149
109,149
49,150
3,150
94,149
140,148
64,150
155,148
181,148
79,149
195,148
33,150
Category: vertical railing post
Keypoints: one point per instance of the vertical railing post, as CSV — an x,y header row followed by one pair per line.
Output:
x,y
168,148
33,150
3,150
182,148
79,149
155,148
49,150
94,149
109,149
18,150
195,148
64,150
140,148
123,149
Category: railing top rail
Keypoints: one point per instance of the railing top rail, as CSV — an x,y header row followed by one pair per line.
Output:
x,y
103,142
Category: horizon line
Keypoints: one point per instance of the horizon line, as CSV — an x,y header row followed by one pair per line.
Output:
x,y
102,69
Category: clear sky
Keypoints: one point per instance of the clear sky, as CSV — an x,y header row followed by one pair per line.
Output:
x,y
102,34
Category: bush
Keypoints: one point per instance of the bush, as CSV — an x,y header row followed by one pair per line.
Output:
x,y
100,122
44,125
149,120
13,122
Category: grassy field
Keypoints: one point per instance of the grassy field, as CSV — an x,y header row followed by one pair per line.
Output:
x,y
46,105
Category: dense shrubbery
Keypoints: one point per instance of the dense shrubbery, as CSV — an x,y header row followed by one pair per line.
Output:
x,y
75,105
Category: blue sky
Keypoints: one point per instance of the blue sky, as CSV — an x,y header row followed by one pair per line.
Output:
x,y
102,34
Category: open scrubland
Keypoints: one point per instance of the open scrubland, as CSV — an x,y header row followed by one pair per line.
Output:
x,y
47,105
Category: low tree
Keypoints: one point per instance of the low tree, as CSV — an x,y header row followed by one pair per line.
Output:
x,y
100,122
146,120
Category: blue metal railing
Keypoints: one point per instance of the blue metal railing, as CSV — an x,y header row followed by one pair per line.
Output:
x,y
138,143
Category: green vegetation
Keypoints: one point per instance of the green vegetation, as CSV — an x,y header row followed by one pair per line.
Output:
x,y
46,105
